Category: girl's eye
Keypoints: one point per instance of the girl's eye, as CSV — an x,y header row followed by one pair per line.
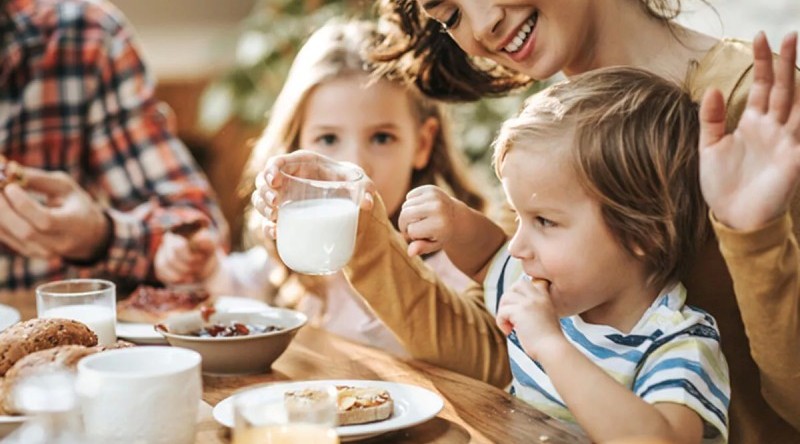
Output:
x,y
544,222
452,21
383,138
326,139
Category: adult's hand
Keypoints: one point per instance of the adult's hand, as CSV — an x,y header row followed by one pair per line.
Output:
x,y
67,224
748,177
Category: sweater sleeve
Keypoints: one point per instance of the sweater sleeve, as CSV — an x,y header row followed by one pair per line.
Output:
x,y
436,324
765,268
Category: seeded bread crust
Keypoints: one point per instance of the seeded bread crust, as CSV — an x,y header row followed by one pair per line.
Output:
x,y
64,357
24,338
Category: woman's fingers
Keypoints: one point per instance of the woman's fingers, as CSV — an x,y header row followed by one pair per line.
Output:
x,y
712,118
782,94
763,76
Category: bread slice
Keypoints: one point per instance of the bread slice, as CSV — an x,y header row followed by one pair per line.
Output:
x,y
356,405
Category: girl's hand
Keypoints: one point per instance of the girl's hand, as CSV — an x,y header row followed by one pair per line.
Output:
x,y
527,310
427,219
185,261
748,177
269,183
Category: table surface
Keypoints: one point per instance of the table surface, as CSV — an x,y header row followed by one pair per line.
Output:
x,y
474,412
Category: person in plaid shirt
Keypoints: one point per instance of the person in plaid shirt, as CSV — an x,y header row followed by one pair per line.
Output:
x,y
105,176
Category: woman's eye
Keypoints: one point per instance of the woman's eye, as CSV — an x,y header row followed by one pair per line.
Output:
x,y
452,21
326,139
383,138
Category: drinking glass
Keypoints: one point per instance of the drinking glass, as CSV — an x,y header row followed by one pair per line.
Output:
x,y
318,215
268,420
90,301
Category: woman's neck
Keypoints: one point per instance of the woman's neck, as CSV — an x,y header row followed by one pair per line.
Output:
x,y
624,34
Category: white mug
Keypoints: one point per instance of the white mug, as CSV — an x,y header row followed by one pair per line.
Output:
x,y
141,395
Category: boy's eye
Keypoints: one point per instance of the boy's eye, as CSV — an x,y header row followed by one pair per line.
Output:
x,y
382,138
544,222
326,139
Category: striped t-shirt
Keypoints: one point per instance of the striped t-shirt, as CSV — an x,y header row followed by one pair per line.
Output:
x,y
673,354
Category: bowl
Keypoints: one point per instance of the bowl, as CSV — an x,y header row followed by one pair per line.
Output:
x,y
235,355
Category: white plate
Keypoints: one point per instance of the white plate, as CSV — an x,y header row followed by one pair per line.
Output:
x,y
141,333
8,316
412,405
10,423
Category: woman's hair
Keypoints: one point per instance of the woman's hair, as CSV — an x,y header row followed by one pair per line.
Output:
x,y
419,50
634,150
336,50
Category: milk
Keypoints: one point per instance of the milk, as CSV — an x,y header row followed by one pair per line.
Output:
x,y
99,318
317,236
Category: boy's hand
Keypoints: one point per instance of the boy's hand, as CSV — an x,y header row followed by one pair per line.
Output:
x,y
427,219
527,310
748,177
185,261
270,183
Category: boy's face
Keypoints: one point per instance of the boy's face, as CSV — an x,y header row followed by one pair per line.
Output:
x,y
561,236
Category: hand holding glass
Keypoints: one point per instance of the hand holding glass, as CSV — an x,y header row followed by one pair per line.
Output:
x,y
318,215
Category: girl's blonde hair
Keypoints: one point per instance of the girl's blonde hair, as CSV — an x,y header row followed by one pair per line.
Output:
x,y
336,50
634,149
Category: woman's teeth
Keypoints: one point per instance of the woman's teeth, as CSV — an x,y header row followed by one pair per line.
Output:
x,y
522,35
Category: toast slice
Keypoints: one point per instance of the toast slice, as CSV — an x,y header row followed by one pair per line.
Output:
x,y
356,405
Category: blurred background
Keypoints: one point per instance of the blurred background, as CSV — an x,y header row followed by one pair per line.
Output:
x,y
220,63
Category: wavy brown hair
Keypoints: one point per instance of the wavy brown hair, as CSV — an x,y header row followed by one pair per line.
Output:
x,y
634,151
419,50
336,50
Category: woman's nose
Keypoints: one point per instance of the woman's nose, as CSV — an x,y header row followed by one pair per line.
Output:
x,y
486,24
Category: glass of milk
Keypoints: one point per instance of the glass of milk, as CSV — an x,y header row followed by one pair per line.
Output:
x,y
90,301
318,215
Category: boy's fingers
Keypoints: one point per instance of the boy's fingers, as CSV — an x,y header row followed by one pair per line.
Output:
x,y
712,118
763,77
782,94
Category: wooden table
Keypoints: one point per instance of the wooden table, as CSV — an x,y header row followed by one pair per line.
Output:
x,y
474,412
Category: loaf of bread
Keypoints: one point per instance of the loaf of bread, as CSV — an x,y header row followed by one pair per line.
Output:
x,y
24,338
64,357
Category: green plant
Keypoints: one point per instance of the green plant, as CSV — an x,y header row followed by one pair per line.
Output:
x,y
269,39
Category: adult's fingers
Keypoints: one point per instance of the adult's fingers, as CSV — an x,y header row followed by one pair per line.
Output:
x,y
782,94
420,247
50,183
712,118
28,208
20,234
763,76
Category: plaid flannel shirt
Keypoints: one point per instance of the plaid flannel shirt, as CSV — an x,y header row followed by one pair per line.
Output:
x,y
75,96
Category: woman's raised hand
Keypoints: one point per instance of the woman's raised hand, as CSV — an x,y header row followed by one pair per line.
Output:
x,y
748,177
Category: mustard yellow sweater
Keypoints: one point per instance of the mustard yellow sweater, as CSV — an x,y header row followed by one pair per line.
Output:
x,y
759,324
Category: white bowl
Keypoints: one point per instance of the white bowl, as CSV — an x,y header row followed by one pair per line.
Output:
x,y
249,354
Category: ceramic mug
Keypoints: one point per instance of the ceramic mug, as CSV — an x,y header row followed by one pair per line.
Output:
x,y
141,395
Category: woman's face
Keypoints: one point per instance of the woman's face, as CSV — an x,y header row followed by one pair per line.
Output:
x,y
372,126
537,38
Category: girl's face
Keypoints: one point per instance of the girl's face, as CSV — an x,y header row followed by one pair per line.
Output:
x,y
561,236
537,38
373,127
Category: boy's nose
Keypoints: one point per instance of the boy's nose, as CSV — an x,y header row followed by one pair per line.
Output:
x,y
518,248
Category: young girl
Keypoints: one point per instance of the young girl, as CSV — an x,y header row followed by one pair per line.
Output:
x,y
330,105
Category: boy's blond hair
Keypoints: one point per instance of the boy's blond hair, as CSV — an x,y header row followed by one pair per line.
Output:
x,y
634,149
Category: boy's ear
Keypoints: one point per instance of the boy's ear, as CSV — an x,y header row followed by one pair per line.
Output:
x,y
427,137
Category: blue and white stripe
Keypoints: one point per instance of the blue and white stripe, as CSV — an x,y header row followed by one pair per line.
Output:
x,y
673,354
